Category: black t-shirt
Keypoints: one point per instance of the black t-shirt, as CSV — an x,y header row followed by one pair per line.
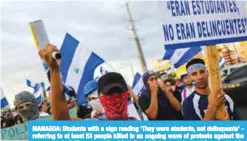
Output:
x,y
165,110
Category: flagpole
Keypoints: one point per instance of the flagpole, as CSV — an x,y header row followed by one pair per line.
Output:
x,y
138,45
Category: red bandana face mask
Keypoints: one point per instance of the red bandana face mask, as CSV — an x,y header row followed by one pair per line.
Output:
x,y
115,106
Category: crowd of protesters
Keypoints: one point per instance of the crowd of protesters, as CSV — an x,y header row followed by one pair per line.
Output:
x,y
163,98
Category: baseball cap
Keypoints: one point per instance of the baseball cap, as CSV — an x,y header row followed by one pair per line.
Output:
x,y
90,87
111,80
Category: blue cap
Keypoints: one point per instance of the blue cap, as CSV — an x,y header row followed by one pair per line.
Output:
x,y
90,87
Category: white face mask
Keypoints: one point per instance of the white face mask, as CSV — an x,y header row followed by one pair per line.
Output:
x,y
96,105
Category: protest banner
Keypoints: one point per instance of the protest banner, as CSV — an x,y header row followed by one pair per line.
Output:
x,y
20,131
204,23
201,23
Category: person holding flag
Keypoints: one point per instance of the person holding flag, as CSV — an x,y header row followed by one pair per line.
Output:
x,y
111,88
202,104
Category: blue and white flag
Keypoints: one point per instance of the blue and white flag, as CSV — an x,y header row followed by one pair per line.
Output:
x,y
4,101
30,84
178,57
38,93
37,90
67,96
78,65
138,84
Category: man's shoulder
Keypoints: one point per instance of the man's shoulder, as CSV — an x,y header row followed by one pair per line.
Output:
x,y
190,97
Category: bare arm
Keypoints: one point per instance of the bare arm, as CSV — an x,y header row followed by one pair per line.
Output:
x,y
210,113
59,105
152,110
172,99
214,101
59,108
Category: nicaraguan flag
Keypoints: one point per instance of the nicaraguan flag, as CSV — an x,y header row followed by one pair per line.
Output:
x,y
37,90
78,65
4,101
180,56
138,84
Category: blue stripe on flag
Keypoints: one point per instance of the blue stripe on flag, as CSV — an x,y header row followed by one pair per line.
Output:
x,y
37,90
190,53
138,84
4,102
187,56
67,50
136,79
168,54
88,75
39,100
29,84
45,67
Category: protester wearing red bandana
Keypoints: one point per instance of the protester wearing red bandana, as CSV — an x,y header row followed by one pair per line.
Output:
x,y
113,94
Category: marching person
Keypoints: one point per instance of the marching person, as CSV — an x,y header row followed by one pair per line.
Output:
x,y
202,104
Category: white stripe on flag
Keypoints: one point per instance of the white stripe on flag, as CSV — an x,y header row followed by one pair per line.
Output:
x,y
138,87
178,54
38,93
76,69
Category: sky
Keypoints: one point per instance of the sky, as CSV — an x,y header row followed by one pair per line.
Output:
x,y
101,26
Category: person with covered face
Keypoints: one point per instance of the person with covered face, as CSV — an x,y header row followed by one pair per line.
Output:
x,y
114,95
157,101
26,106
202,104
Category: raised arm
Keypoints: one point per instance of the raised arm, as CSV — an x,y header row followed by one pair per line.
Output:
x,y
59,105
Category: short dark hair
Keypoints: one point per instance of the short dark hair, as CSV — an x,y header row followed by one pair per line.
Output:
x,y
172,81
194,61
